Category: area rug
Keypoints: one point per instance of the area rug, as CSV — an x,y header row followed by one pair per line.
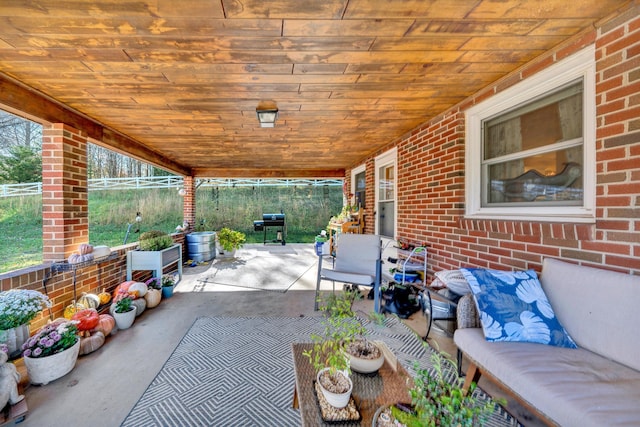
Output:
x,y
264,267
239,372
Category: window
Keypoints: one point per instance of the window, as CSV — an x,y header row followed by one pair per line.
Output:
x,y
359,186
530,149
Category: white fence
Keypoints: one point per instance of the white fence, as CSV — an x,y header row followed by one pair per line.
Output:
x,y
138,183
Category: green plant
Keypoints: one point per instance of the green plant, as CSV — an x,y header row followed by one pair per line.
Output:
x,y
340,328
377,318
51,339
155,240
168,281
438,402
124,305
231,239
18,307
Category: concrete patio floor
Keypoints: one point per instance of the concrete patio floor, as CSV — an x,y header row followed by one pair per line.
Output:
x,y
105,385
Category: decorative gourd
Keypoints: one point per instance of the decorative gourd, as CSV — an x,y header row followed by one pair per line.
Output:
x,y
140,304
85,249
72,309
138,288
91,343
76,259
87,319
101,251
153,297
106,323
104,297
122,290
89,300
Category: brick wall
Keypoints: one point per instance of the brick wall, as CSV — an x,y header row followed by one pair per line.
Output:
x,y
431,184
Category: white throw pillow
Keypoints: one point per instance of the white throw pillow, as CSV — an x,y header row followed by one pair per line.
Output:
x,y
454,280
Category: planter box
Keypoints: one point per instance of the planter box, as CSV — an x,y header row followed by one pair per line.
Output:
x,y
156,261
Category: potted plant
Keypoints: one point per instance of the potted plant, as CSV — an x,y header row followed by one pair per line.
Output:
x,y
168,283
52,352
156,250
328,356
124,312
436,401
17,309
230,240
365,357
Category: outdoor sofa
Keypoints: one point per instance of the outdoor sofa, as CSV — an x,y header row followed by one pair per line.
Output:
x,y
595,384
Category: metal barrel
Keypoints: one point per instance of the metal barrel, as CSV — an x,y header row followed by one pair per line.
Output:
x,y
201,245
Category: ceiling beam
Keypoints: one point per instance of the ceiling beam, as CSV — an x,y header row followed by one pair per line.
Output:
x,y
268,173
25,102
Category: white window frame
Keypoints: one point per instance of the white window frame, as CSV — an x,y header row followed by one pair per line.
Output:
x,y
581,65
354,172
388,158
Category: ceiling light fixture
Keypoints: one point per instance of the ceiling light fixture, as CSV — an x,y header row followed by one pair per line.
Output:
x,y
267,114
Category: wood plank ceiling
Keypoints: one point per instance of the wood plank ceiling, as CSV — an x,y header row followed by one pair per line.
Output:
x,y
178,82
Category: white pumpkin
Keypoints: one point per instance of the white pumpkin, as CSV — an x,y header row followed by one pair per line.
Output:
x,y
153,297
101,251
139,289
140,305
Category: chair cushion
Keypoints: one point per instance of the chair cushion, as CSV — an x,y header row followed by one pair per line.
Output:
x,y
513,307
341,276
454,280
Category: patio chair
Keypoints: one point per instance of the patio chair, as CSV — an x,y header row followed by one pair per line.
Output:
x,y
357,262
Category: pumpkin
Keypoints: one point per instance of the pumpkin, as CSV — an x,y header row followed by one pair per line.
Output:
x,y
122,290
104,297
91,343
140,305
85,249
153,297
87,319
76,259
106,323
139,288
101,251
89,300
72,309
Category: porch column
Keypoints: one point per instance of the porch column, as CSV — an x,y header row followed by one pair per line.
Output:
x,y
189,203
65,206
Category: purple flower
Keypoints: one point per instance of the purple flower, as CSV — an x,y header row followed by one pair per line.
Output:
x,y
37,352
55,336
27,353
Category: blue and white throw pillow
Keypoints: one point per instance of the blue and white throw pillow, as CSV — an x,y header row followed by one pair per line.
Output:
x,y
514,307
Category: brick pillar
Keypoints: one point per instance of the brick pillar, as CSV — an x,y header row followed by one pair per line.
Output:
x,y
65,208
189,204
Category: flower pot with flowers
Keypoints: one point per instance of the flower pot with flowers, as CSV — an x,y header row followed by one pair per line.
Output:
x,y
52,352
124,312
168,283
17,309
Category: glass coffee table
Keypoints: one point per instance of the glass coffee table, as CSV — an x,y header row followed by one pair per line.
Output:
x,y
370,392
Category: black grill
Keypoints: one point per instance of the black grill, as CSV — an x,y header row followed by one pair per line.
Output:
x,y
276,221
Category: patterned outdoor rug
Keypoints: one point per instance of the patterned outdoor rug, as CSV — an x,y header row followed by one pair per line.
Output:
x,y
239,372
261,268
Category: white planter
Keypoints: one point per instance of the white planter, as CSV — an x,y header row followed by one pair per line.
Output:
x,y
43,370
14,338
155,261
337,400
125,320
366,366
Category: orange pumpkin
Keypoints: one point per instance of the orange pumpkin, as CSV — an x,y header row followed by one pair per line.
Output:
x,y
104,297
106,323
87,319
122,290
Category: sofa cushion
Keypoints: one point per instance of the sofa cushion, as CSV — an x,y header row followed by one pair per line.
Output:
x,y
600,309
513,307
573,387
454,280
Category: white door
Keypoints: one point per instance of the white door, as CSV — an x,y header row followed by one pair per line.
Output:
x,y
386,194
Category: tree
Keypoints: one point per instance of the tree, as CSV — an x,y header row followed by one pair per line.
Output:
x,y
22,164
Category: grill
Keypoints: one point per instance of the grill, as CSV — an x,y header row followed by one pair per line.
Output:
x,y
272,221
